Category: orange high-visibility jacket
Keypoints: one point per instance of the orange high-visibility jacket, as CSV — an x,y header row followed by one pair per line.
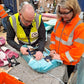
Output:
x,y
68,40
3,13
8,79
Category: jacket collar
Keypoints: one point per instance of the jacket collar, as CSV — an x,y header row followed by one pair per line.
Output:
x,y
75,19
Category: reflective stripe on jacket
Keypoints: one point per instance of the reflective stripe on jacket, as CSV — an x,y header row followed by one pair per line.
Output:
x,y
20,32
3,13
68,40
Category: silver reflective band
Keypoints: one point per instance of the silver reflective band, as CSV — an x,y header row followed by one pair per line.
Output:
x,y
72,33
83,55
69,57
52,42
56,27
1,10
69,42
3,14
79,40
37,21
14,23
54,30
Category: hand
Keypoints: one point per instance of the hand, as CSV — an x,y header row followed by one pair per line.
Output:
x,y
39,55
56,56
52,52
23,50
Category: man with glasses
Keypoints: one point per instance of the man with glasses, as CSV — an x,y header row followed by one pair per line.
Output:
x,y
29,29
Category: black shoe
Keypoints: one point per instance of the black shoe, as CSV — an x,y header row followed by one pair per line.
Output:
x,y
65,83
4,30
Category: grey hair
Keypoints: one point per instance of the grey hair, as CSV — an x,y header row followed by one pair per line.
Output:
x,y
23,3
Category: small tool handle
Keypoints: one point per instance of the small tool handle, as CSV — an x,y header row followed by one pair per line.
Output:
x,y
8,70
29,51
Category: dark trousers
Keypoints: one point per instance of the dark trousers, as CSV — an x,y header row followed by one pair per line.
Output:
x,y
70,69
4,23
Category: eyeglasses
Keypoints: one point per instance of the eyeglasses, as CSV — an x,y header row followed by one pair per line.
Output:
x,y
26,21
60,13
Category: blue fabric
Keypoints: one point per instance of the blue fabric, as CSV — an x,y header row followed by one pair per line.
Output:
x,y
6,3
4,22
11,4
81,3
80,76
42,65
49,26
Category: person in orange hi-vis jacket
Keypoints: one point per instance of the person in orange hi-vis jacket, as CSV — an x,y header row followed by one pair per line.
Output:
x,y
3,16
5,78
67,38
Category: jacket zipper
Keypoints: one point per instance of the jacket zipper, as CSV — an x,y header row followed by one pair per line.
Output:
x,y
61,37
